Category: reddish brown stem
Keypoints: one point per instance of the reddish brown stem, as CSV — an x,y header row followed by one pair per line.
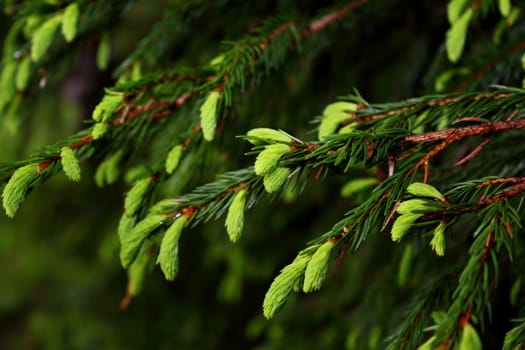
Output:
x,y
331,17
511,192
278,31
502,180
471,130
474,152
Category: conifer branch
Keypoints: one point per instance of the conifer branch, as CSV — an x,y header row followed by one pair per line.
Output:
x,y
160,109
439,176
456,134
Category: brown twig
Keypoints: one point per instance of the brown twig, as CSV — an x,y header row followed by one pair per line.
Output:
x,y
471,130
331,17
473,153
505,194
502,180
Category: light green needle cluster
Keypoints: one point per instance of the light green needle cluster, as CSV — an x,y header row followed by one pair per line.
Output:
x,y
173,159
69,22
132,240
235,218
209,115
413,209
135,195
402,225
333,115
108,171
137,271
99,130
70,164
457,34
415,205
16,189
259,135
469,339
354,186
504,7
282,286
275,179
104,110
168,256
268,159
420,189
23,74
103,52
317,266
438,242
43,36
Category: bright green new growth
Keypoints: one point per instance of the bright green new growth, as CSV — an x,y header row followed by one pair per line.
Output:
x,y
69,22
504,7
282,285
438,242
515,291
17,187
329,124
339,107
137,271
135,195
455,8
415,205
126,223
375,337
209,115
168,255
333,115
43,36
257,135
274,180
420,189
428,344
154,102
216,61
106,107
235,218
469,339
267,160
456,36
103,52
357,185
132,240
173,158
402,225
23,74
6,82
347,128
70,164
99,129
108,171
316,269
136,173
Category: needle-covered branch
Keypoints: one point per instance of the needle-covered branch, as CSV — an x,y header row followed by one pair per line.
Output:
x,y
408,212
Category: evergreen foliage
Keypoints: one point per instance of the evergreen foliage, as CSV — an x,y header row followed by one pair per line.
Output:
x,y
380,143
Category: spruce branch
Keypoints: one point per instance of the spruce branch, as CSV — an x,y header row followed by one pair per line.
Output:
x,y
162,108
163,36
435,182
246,53
38,26
514,339
475,284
